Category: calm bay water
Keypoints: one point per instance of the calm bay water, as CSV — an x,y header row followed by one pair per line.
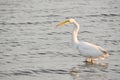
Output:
x,y
31,48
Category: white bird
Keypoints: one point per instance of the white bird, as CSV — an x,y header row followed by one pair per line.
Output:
x,y
90,51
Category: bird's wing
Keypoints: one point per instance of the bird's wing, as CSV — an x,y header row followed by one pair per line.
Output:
x,y
90,50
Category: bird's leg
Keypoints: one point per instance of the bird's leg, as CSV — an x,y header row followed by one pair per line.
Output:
x,y
88,60
92,61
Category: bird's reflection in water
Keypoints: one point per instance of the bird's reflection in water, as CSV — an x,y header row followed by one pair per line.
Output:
x,y
96,65
75,73
87,71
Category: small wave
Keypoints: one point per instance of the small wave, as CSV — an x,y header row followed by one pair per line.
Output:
x,y
27,23
116,70
61,54
51,71
22,23
67,54
32,71
115,51
2,30
51,33
91,71
66,33
22,73
114,42
42,53
103,15
86,32
51,15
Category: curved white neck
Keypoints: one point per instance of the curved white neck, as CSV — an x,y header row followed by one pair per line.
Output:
x,y
75,40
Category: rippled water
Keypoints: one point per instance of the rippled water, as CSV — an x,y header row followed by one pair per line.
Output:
x,y
32,49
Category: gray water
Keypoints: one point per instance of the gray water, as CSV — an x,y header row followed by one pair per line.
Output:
x,y
31,48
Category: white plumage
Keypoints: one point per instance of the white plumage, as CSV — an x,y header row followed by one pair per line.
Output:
x,y
88,50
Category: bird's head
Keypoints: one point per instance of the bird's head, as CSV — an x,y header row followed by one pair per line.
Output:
x,y
66,22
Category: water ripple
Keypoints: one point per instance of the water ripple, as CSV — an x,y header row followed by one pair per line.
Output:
x,y
22,23
103,15
55,71
32,71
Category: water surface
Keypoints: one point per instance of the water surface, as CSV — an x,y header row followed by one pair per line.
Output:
x,y
32,49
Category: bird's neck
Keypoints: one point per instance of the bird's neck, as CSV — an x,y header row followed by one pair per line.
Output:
x,y
75,40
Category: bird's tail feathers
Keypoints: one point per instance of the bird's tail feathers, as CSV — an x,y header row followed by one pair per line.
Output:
x,y
105,53
102,57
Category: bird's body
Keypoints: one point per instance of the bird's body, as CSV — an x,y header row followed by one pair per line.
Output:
x,y
88,50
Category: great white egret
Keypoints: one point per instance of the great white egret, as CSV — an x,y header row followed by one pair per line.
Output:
x,y
90,51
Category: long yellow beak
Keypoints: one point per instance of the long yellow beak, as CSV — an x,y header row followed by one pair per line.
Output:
x,y
62,23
